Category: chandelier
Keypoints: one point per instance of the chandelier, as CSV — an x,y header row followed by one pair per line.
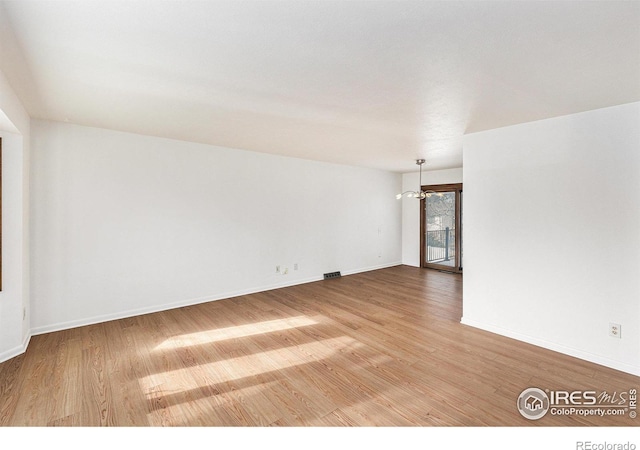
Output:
x,y
419,194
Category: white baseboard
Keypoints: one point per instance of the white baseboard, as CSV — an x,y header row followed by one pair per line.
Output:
x,y
371,268
580,354
188,302
12,353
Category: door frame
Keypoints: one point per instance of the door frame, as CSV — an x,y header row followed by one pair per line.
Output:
x,y
457,187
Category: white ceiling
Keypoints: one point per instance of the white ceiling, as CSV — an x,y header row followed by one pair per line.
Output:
x,y
369,83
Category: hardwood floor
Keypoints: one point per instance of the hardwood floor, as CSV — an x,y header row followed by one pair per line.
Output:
x,y
382,348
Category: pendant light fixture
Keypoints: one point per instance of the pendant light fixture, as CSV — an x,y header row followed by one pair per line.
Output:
x,y
419,194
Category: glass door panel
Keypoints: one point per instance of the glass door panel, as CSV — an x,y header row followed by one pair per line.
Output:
x,y
441,228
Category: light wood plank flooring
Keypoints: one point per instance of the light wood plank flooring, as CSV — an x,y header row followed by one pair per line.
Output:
x,y
383,348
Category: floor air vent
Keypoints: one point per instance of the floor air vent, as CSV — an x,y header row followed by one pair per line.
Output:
x,y
330,275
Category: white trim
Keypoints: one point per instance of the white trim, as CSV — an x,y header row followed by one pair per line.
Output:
x,y
597,359
372,268
16,351
194,301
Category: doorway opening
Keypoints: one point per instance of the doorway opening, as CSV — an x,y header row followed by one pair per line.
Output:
x,y
441,228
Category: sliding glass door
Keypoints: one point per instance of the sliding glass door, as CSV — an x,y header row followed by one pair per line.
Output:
x,y
441,228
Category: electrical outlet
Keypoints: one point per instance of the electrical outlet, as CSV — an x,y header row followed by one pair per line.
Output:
x,y
615,330
295,266
285,271
278,269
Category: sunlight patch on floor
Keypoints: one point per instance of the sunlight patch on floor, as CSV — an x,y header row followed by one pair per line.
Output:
x,y
239,331
242,369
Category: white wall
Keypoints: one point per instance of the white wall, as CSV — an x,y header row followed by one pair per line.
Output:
x,y
411,209
125,224
552,233
14,298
